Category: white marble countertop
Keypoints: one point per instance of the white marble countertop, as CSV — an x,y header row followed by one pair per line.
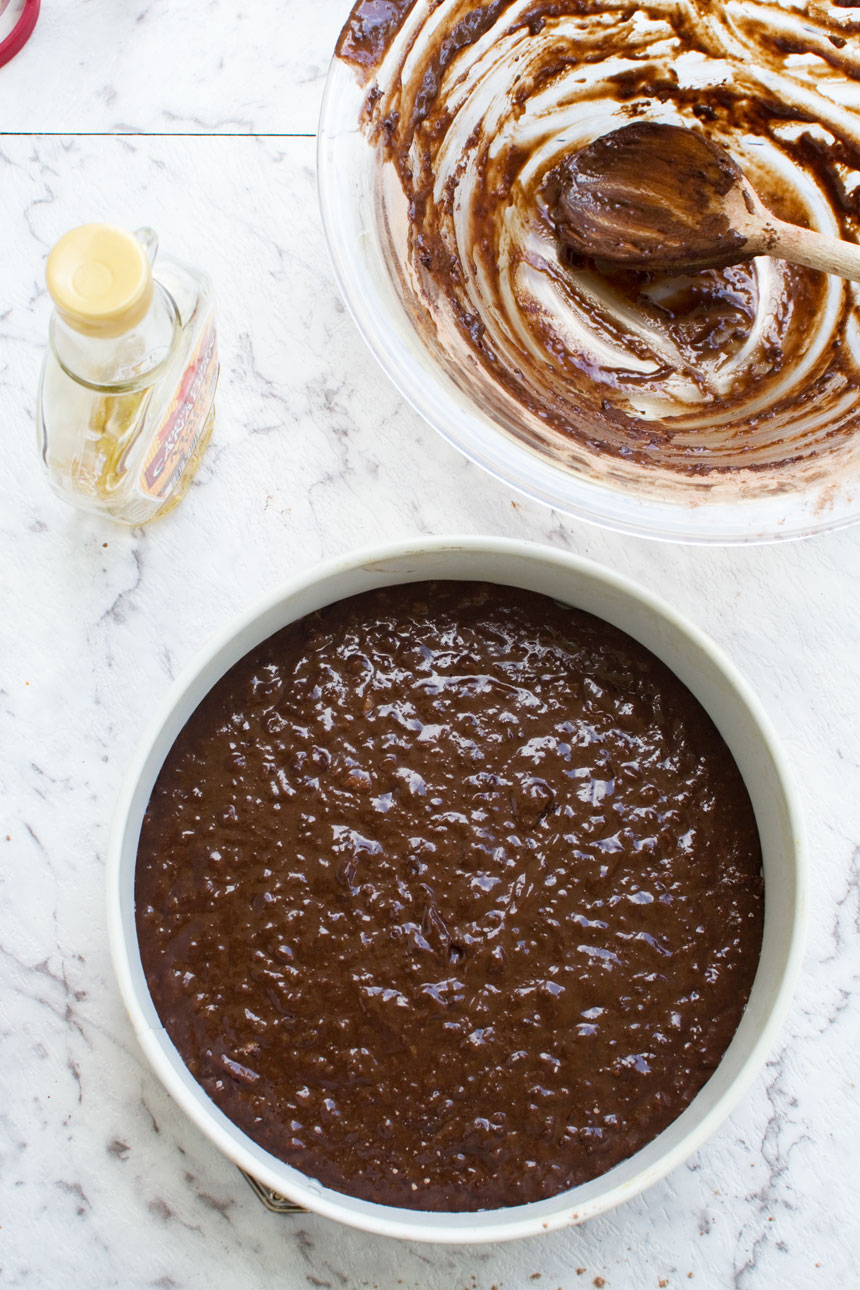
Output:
x,y
104,1182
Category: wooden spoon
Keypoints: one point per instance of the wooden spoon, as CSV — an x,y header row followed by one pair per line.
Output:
x,y
654,196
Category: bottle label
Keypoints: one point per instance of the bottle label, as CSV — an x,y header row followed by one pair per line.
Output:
x,y
186,418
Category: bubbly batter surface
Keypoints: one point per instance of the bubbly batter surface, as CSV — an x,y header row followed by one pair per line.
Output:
x,y
450,896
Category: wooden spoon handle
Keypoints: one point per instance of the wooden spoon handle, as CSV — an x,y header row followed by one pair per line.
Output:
x,y
815,250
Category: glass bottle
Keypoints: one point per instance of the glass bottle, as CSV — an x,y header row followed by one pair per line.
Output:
x,y
126,397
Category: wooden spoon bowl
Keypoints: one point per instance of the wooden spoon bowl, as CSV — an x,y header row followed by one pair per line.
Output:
x,y
662,197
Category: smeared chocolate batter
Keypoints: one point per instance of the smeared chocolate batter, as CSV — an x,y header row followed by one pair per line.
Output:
x,y
474,105
648,195
450,896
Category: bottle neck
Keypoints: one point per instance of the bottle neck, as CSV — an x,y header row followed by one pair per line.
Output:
x,y
119,363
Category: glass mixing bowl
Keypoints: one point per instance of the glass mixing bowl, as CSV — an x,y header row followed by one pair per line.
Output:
x,y
366,221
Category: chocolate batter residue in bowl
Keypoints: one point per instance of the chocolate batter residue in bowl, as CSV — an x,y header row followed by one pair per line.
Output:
x,y
450,896
730,383
649,196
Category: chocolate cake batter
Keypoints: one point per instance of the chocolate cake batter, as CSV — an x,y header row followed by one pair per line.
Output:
x,y
726,383
650,196
450,896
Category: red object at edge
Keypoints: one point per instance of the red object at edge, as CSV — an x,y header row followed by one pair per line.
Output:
x,y
20,33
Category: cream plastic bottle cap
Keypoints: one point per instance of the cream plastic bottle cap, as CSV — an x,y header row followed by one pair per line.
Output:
x,y
100,280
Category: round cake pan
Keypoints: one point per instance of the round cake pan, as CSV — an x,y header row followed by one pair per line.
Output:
x,y
719,688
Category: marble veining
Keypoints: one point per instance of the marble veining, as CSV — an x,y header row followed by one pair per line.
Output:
x,y
150,66
103,1181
